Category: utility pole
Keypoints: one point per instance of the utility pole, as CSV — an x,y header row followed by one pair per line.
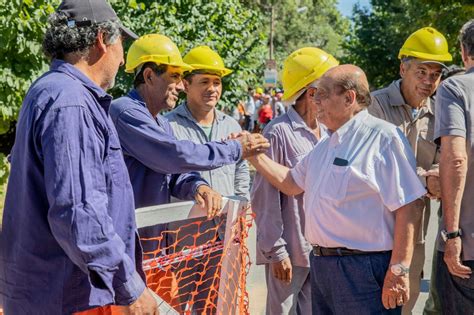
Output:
x,y
272,26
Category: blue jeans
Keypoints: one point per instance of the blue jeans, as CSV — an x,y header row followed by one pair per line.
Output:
x,y
456,294
349,284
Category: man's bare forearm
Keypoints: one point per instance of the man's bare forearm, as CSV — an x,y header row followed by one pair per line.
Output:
x,y
407,219
277,174
452,170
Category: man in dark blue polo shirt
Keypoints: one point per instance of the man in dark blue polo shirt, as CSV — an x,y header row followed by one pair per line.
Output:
x,y
69,234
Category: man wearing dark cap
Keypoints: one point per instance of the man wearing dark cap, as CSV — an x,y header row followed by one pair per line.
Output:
x,y
69,240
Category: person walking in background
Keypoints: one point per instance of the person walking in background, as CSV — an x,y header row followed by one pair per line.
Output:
x,y
408,104
69,243
453,129
249,111
281,245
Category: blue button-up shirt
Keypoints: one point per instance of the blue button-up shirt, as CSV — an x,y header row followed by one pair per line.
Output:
x,y
152,153
69,234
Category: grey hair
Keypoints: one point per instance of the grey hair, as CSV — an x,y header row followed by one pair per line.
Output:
x,y
350,81
62,38
466,37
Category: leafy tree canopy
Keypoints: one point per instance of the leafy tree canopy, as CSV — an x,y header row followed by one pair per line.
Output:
x,y
227,26
378,34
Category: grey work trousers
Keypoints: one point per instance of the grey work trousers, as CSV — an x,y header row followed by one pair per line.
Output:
x,y
292,298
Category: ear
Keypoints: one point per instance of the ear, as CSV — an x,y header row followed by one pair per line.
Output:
x,y
186,85
100,43
402,69
465,58
148,75
350,97
311,92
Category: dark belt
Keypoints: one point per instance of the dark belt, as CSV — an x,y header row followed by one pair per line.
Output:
x,y
340,251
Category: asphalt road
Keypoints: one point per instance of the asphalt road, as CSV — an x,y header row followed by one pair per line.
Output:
x,y
256,280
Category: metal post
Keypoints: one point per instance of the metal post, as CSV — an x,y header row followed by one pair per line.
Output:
x,y
272,25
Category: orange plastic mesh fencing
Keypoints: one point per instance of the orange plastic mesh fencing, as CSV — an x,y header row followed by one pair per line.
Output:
x,y
192,267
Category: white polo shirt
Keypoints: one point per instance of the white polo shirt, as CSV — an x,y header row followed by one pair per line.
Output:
x,y
353,180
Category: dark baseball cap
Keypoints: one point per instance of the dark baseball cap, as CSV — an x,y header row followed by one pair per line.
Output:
x,y
85,12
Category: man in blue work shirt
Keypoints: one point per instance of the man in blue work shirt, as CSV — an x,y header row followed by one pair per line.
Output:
x,y
151,150
69,232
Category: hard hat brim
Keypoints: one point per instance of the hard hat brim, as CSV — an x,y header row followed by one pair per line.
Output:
x,y
424,56
183,66
222,71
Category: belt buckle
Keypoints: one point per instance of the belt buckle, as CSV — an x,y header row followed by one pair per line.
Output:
x,y
317,251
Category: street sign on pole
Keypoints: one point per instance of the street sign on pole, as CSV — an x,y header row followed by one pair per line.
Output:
x,y
271,76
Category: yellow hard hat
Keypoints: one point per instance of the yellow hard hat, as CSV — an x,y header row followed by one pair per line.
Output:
x,y
302,67
259,90
154,48
204,58
426,43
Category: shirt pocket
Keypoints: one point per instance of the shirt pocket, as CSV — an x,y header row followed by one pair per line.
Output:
x,y
335,186
118,170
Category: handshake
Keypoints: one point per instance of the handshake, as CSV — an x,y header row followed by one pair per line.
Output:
x,y
252,143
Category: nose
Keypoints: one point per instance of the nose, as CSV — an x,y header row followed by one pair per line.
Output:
x,y
180,86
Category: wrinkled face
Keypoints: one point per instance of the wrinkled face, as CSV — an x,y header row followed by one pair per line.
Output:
x,y
167,87
331,107
420,80
114,55
203,90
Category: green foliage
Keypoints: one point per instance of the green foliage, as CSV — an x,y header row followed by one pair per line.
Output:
x,y
377,35
226,26
22,25
320,25
317,23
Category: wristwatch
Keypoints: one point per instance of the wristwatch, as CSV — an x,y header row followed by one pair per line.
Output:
x,y
447,236
399,269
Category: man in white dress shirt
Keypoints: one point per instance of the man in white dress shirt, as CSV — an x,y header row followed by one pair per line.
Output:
x,y
361,201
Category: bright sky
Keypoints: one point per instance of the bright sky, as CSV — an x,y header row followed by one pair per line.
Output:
x,y
345,6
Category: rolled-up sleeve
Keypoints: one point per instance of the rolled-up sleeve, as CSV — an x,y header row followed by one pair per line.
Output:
x,y
266,203
74,172
395,174
450,116
153,146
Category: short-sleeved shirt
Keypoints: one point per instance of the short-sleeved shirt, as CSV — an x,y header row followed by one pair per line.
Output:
x,y
418,126
354,180
69,235
455,117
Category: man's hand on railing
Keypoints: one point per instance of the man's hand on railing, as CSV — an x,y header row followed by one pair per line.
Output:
x,y
209,199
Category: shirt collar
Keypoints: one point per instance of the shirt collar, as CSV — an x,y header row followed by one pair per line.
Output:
x,y
396,98
296,121
339,135
133,94
69,69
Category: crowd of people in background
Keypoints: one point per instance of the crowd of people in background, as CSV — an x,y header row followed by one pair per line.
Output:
x,y
342,195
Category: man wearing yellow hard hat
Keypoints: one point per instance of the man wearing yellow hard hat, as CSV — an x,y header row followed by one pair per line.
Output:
x,y
198,120
160,165
408,103
281,245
